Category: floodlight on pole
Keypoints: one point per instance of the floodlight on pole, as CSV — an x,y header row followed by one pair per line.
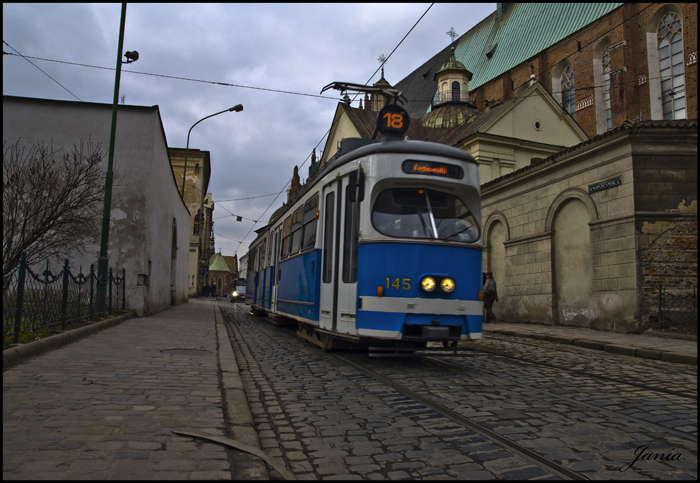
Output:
x,y
237,108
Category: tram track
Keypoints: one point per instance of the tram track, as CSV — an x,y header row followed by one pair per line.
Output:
x,y
609,412
544,463
548,465
447,353
502,353
482,420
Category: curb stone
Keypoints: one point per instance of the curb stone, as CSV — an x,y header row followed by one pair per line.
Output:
x,y
22,353
239,419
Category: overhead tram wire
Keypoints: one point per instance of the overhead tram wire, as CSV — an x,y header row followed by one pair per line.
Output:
x,y
244,87
329,130
248,198
225,84
47,75
203,81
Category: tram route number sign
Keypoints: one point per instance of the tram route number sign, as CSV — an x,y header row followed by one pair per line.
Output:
x,y
392,120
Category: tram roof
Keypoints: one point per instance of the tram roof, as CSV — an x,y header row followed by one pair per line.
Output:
x,y
384,146
401,147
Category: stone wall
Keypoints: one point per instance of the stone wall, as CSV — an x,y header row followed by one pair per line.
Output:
x,y
567,242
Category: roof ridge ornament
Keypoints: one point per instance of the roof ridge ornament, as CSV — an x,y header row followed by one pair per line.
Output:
x,y
452,34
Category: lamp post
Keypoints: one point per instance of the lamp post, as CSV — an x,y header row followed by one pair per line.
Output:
x,y
131,57
237,108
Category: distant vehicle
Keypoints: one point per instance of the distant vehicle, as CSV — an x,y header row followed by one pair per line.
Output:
x,y
238,295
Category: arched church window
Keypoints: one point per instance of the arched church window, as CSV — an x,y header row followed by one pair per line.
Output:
x,y
568,96
671,70
606,91
455,91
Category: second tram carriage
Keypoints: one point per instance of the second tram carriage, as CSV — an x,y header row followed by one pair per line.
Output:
x,y
382,246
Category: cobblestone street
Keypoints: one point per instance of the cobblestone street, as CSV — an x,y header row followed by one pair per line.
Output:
x,y
588,412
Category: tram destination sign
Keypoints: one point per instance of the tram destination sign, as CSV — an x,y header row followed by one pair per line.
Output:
x,y
604,185
432,169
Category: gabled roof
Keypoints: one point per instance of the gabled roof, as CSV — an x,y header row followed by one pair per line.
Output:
x,y
364,120
630,127
523,31
232,263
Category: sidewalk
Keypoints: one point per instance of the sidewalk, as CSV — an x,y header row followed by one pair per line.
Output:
x,y
105,407
657,346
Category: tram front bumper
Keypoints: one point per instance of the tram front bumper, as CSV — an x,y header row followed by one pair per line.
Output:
x,y
433,306
404,318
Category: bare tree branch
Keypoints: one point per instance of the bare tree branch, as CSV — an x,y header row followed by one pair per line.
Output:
x,y
51,203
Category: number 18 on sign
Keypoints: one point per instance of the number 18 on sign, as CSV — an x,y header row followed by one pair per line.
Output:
x,y
392,120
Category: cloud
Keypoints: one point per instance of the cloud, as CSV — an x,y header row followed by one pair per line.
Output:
x,y
286,47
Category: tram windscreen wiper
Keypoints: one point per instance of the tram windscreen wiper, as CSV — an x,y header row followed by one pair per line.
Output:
x,y
432,217
448,237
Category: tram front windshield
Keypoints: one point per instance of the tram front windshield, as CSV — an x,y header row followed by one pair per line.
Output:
x,y
424,214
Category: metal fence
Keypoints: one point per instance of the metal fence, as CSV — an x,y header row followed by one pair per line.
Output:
x,y
31,301
678,311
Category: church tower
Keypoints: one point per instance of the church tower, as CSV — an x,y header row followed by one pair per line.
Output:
x,y
377,101
451,107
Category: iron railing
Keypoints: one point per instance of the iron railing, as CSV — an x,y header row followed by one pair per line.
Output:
x,y
448,96
32,302
678,311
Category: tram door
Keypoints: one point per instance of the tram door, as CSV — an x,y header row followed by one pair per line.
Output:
x,y
339,260
261,275
328,265
274,259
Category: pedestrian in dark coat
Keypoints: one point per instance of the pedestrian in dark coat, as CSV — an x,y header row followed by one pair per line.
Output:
x,y
490,296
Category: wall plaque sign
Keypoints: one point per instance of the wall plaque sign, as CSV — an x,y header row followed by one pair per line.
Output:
x,y
603,185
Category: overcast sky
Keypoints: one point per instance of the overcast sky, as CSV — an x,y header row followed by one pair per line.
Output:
x,y
262,48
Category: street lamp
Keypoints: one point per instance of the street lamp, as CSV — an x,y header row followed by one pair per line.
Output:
x,y
237,108
104,239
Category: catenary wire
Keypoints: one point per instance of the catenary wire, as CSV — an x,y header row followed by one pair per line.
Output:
x,y
329,130
47,75
225,84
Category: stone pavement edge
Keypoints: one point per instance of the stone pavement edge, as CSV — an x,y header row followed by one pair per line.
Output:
x,y
105,406
675,348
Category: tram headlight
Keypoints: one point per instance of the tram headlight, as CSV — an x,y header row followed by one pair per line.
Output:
x,y
447,285
428,284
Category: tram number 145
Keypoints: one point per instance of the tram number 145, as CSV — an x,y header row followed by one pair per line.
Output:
x,y
398,283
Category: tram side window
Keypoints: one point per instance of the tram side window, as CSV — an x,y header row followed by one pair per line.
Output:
x,y
269,249
310,222
297,219
286,233
328,238
251,259
350,241
262,254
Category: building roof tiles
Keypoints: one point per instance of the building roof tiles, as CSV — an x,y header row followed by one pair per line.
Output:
x,y
523,31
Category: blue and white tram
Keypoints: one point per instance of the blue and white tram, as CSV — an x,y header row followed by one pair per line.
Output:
x,y
383,246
